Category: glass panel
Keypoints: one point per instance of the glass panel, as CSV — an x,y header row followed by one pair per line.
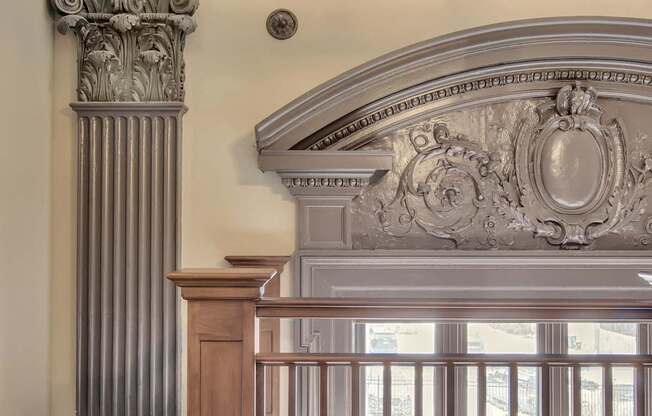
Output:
x,y
497,391
502,338
602,338
404,338
402,391
605,338
623,391
472,391
373,390
528,391
428,391
592,391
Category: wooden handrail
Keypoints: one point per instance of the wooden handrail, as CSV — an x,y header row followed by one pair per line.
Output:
x,y
227,376
535,310
524,360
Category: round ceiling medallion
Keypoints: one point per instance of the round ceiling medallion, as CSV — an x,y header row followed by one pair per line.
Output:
x,y
282,24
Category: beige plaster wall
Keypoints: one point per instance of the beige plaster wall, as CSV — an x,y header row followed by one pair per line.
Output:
x,y
25,201
236,75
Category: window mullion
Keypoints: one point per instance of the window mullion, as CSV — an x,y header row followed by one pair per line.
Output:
x,y
450,338
553,339
645,347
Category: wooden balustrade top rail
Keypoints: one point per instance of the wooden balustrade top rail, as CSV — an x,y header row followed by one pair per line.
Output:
x,y
539,310
226,376
525,360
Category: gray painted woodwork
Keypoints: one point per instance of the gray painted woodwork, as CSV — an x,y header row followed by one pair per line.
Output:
x,y
130,93
127,233
594,42
506,161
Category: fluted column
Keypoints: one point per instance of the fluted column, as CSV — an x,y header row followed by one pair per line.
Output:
x,y
130,108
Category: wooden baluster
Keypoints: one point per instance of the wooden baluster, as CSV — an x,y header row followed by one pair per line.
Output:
x,y
387,389
577,390
607,380
292,390
260,390
418,389
482,390
513,390
639,390
450,389
355,389
323,389
545,390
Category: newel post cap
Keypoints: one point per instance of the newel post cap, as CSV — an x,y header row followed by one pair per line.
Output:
x,y
243,283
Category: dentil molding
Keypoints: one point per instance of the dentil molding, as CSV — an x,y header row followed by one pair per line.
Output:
x,y
129,50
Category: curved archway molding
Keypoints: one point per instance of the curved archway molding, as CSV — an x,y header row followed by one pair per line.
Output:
x,y
528,135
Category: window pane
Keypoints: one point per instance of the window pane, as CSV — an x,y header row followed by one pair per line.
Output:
x,y
374,391
602,338
498,391
592,393
502,338
605,338
404,338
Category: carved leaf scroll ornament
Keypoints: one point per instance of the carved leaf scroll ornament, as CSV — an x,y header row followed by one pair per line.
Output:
x,y
446,176
603,195
73,7
129,57
565,177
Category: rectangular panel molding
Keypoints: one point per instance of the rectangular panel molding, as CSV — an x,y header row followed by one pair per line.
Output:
x,y
127,231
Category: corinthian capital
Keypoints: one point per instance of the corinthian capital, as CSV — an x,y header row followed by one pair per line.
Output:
x,y
66,7
129,50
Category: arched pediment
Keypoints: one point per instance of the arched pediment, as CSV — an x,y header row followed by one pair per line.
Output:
x,y
527,135
494,62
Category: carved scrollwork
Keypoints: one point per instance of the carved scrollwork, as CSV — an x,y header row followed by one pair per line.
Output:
x,y
67,6
562,174
71,7
128,57
184,6
573,180
446,177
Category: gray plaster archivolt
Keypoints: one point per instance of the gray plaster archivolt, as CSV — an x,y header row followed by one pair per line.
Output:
x,y
529,135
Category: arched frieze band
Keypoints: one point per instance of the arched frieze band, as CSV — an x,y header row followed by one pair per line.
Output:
x,y
536,173
355,129
564,41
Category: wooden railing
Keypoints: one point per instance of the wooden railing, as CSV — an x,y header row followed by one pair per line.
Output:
x,y
227,374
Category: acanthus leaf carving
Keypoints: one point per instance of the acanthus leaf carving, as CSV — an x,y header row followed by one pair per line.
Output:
x,y
446,177
565,176
130,57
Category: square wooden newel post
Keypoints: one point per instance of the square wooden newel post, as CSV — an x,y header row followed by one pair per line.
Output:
x,y
222,337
